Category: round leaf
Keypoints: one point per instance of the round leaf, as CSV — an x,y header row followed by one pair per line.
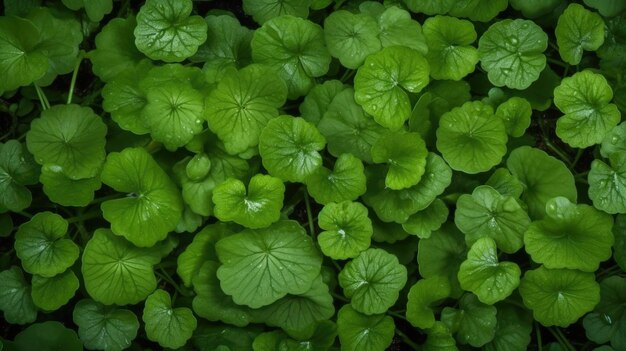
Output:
x,y
478,10
491,281
242,104
441,255
578,29
317,101
264,10
424,222
362,332
42,246
71,137
346,182
50,294
261,266
103,327
55,185
405,154
15,297
373,281
474,322
48,336
165,31
570,236
607,184
559,296
347,230
295,49
154,206
450,53
115,271
289,147
511,51
170,327
258,207
422,295
515,113
397,28
382,83
351,37
470,138
584,99
430,7
17,169
614,141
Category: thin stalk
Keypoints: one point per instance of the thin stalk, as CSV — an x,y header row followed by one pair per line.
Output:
x,y
79,59
25,214
556,332
558,62
562,155
105,198
45,104
309,214
339,297
165,276
85,216
396,315
579,153
538,335
347,75
406,339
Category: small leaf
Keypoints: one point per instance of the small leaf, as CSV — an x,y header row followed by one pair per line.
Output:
x,y
423,294
397,28
55,185
115,271
513,330
71,137
441,255
511,51
170,327
373,281
51,293
405,154
559,296
318,100
103,327
17,169
589,117
346,182
424,222
474,323
351,37
15,297
607,8
165,31
439,338
362,332
614,141
264,10
42,245
48,336
95,9
607,184
261,266
289,147
470,138
478,10
383,82
491,281
347,230
515,113
257,207
227,45
505,183
578,29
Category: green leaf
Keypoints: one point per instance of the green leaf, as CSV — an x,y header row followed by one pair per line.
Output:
x,y
19,8
221,338
619,231
559,296
153,206
397,28
257,207
398,205
170,327
95,9
227,45
298,314
470,138
535,8
295,49
430,7
115,50
425,221
405,154
543,177
505,183
511,51
442,255
264,10
115,271
201,249
346,181
607,8
515,113
103,327
261,266
351,37
15,297
584,99
55,185
614,141
373,281
48,336
21,63
318,100
51,293
607,321
421,298
486,213
570,236
382,83
17,169
439,338
513,329
242,104
362,332
289,147
174,114
166,31
348,129
474,323
478,10
450,53
482,273
212,303
347,230
71,137
578,29
607,184
42,246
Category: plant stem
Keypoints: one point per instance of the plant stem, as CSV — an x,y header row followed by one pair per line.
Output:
x,y
407,340
45,104
339,297
25,214
79,59
165,276
85,216
309,214
558,62
556,332
105,198
538,335
579,153
396,315
562,155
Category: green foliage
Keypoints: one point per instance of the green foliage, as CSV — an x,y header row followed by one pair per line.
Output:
x,y
17,169
347,229
578,29
103,327
170,327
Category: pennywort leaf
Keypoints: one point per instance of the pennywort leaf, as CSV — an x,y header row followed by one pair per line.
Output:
x,y
170,327
103,327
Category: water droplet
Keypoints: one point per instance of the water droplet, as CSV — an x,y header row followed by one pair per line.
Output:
x,y
614,140
374,107
506,71
525,25
512,40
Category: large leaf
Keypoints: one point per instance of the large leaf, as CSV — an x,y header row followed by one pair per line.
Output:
x,y
50,293
261,266
17,169
351,37
15,297
578,29
362,332
55,185
103,327
264,10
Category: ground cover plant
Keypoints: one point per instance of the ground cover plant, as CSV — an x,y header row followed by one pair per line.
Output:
x,y
278,175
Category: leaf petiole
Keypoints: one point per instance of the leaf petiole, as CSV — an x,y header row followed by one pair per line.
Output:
x,y
79,59
45,104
